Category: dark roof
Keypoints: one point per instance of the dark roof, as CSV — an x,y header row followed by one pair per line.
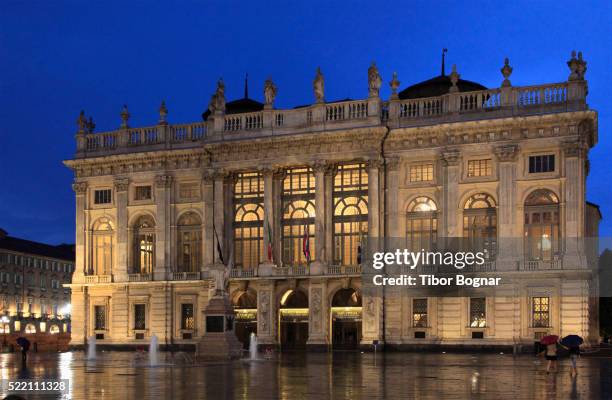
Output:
x,y
243,105
437,86
62,251
596,206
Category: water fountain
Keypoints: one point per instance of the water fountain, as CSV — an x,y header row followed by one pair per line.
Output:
x,y
253,346
153,349
91,347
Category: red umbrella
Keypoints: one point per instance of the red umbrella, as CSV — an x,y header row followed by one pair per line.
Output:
x,y
549,339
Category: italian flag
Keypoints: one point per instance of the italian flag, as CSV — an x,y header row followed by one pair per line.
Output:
x,y
306,244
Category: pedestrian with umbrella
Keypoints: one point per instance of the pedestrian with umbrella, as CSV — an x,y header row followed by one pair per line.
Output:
x,y
572,343
25,347
550,352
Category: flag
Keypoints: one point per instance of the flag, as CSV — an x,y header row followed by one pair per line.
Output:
x,y
270,255
219,250
306,244
358,254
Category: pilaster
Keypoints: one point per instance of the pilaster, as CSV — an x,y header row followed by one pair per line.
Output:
x,y
508,236
80,190
163,186
121,201
267,324
451,173
208,239
575,176
318,316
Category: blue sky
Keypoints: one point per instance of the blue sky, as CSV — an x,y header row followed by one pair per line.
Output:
x,y
57,58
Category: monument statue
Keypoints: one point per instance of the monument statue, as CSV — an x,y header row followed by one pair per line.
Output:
x,y
269,92
319,86
374,81
217,101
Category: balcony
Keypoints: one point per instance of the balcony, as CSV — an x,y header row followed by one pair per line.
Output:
x,y
541,265
140,277
183,276
452,107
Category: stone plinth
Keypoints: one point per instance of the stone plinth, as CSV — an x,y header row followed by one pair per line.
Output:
x,y
219,340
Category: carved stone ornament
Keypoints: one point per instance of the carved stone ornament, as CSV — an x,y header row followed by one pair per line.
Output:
x,y
374,163
506,72
316,309
269,92
121,185
395,84
574,148
374,81
507,152
264,309
163,181
451,157
393,163
318,85
577,67
79,187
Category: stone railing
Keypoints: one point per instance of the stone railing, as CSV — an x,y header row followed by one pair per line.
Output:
x,y
89,279
139,277
343,270
183,276
451,107
540,265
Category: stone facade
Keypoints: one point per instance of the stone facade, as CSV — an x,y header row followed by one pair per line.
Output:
x,y
517,149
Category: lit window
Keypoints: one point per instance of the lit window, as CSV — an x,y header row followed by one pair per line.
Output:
x,y
419,313
102,196
248,223
143,245
478,313
140,319
540,312
479,168
142,193
421,172
422,224
298,199
480,224
99,318
190,242
187,320
542,241
102,247
544,163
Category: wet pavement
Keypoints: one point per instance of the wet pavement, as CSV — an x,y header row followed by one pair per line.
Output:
x,y
350,375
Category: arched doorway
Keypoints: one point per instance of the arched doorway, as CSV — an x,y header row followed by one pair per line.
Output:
x,y
293,320
245,306
346,319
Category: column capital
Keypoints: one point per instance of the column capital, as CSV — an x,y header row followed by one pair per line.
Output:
x,y
323,166
507,152
451,157
163,181
80,188
374,163
121,185
208,176
279,173
393,163
574,148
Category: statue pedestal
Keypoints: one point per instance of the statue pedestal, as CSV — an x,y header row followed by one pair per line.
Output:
x,y
219,341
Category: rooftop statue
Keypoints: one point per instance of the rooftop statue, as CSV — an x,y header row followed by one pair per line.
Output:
x,y
217,101
269,92
319,86
374,81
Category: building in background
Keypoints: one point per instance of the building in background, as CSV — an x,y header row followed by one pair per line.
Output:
x,y
34,302
289,200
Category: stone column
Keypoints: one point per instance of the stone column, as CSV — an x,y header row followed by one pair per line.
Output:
x,y
393,214
120,271
229,184
163,186
277,208
268,175
208,238
372,316
318,316
451,174
219,215
267,321
373,205
508,237
575,178
80,189
328,194
320,205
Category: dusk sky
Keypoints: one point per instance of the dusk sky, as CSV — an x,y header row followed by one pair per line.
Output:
x,y
57,58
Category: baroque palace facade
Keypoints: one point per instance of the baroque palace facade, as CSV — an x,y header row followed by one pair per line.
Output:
x,y
288,200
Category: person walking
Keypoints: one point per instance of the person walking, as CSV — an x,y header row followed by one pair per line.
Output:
x,y
550,351
25,347
572,343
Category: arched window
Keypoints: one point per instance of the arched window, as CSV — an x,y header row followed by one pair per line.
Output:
x,y
422,224
542,238
102,247
54,329
143,245
30,328
350,219
189,231
298,222
480,224
248,220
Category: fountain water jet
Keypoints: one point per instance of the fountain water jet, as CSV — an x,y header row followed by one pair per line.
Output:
x,y
153,348
253,346
91,347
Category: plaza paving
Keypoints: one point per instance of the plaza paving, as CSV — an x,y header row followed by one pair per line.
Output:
x,y
128,375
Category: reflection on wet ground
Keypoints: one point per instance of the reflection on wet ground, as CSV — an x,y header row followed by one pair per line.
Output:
x,y
127,375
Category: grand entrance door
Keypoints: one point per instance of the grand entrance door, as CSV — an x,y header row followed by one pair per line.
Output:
x,y
346,320
293,320
245,324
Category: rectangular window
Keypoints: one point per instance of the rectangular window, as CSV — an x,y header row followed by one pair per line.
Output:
x,y
540,312
55,284
102,196
43,282
479,168
419,313
478,312
187,321
189,190
538,164
142,193
140,321
99,318
421,172
18,279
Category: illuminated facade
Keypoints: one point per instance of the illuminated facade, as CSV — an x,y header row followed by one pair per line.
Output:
x,y
34,302
290,199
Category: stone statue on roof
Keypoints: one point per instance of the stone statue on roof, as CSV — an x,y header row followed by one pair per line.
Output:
x,y
318,85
